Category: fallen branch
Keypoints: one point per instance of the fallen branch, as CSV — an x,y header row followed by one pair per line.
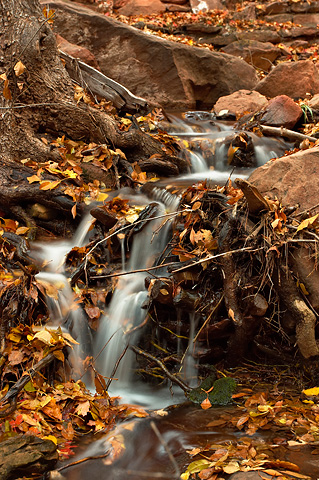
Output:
x,y
284,132
98,84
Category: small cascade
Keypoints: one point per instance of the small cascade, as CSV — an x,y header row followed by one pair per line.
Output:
x,y
209,135
120,326
60,298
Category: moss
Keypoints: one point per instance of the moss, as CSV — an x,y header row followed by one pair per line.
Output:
x,y
221,393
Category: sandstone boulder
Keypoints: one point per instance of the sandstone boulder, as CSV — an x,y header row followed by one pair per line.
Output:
x,y
293,179
281,111
239,103
259,54
294,79
169,74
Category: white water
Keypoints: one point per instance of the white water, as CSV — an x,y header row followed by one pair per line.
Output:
x,y
125,312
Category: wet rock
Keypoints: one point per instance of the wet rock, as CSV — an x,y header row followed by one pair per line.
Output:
x,y
222,40
239,103
77,51
259,54
296,32
293,179
281,111
141,7
303,78
166,73
205,5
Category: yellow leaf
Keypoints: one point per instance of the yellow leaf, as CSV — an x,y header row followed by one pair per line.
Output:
x,y
311,391
185,476
45,185
163,291
33,179
308,222
19,68
22,230
59,355
69,173
101,197
52,438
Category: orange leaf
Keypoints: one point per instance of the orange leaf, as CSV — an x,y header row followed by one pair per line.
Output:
x,y
206,404
73,211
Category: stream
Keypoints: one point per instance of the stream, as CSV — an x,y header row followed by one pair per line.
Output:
x,y
146,454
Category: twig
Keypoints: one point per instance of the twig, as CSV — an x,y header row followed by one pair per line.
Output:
x,y
173,379
81,460
116,367
212,257
284,132
209,317
142,270
166,448
11,395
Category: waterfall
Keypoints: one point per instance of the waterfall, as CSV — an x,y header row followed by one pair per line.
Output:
x,y
120,326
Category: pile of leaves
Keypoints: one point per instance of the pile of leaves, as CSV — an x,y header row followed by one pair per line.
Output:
x,y
50,405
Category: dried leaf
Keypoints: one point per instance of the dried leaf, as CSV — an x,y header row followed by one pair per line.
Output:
x,y
309,222
19,68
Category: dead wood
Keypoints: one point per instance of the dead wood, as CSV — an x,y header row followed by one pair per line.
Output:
x,y
95,82
285,132
304,317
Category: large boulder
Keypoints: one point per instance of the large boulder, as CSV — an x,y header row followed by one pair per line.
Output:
x,y
293,179
169,74
294,79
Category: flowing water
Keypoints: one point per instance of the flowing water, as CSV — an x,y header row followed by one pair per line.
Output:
x,y
120,326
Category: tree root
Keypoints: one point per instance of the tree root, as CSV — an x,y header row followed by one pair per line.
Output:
x,y
304,317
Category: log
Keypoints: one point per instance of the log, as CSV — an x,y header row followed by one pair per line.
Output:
x,y
99,84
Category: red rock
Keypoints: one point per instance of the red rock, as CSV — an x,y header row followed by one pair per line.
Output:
x,y
260,55
293,179
247,13
205,5
280,18
166,73
142,7
281,111
294,79
76,51
240,102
